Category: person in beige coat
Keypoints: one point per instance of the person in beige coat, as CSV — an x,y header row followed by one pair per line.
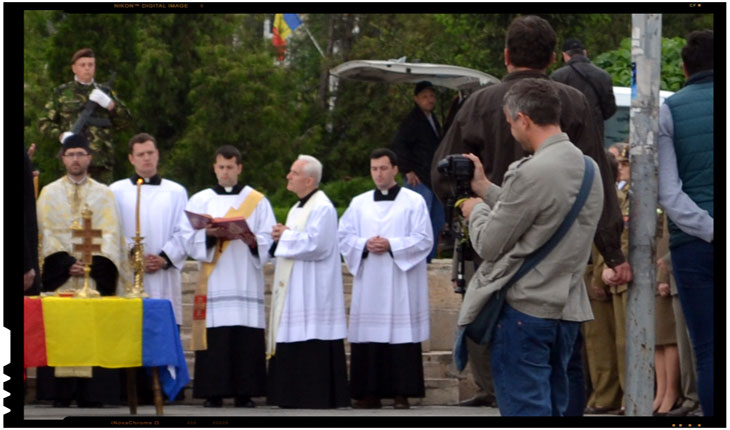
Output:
x,y
537,327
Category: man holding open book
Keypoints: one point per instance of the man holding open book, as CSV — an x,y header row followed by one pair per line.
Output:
x,y
231,238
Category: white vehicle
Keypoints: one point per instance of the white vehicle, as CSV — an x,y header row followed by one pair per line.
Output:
x,y
617,127
467,80
399,72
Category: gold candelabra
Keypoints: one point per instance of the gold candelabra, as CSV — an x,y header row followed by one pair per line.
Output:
x,y
138,254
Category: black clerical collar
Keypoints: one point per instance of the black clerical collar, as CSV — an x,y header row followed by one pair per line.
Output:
x,y
234,190
304,199
390,196
155,180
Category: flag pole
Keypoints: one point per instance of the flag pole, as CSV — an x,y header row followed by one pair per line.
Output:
x,y
316,45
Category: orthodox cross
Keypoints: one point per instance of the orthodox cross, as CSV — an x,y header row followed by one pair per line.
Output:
x,y
87,245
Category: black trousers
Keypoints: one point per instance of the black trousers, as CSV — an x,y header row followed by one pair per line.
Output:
x,y
386,370
310,374
234,365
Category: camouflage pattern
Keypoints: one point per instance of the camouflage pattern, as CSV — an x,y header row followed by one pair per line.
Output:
x,y
64,108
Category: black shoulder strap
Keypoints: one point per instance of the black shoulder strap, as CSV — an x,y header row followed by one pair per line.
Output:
x,y
585,78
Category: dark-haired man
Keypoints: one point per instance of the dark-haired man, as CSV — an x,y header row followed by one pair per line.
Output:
x,y
595,83
162,225
385,237
686,192
539,323
480,128
162,221
69,101
415,143
60,206
228,313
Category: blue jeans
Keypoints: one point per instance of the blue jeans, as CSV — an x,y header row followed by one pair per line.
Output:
x,y
694,268
435,211
530,363
576,380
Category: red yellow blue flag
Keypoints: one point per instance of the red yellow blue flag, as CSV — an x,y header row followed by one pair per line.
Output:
x,y
284,25
110,332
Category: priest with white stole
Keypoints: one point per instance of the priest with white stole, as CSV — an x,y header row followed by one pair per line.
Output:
x,y
161,218
385,236
305,342
228,309
61,205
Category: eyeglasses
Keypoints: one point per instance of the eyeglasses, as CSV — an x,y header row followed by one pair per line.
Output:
x,y
76,155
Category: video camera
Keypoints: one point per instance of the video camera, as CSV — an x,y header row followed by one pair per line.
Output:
x,y
461,170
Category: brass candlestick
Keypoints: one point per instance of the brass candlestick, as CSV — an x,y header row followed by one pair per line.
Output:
x,y
138,257
87,292
138,265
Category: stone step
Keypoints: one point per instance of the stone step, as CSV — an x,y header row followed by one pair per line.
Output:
x,y
439,391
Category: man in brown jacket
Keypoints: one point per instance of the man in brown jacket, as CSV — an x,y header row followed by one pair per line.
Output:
x,y
481,128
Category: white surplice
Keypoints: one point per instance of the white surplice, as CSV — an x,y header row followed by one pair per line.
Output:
x,y
389,293
162,225
236,284
314,306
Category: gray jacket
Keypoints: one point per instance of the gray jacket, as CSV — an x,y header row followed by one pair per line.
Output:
x,y
516,219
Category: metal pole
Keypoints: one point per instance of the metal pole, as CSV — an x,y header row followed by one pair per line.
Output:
x,y
316,45
640,314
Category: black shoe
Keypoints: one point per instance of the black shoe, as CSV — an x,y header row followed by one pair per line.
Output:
x,y
368,402
682,411
600,411
488,400
696,413
401,402
244,402
61,403
213,402
89,404
475,401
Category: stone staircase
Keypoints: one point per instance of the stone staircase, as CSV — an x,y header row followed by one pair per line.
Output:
x,y
444,386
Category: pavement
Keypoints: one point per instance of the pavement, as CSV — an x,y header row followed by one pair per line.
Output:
x,y
47,412
195,415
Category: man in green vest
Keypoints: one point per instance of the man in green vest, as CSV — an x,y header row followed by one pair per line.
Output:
x,y
686,160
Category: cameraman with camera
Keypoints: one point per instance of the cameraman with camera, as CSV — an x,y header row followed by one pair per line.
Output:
x,y
479,127
538,324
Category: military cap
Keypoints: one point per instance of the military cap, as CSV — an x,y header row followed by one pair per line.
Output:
x,y
83,52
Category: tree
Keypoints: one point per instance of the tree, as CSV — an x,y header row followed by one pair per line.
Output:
x,y
618,63
198,81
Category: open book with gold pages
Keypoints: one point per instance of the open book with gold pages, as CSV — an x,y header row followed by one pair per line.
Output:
x,y
234,227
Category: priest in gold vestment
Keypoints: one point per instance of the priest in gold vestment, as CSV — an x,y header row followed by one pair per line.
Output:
x,y
60,206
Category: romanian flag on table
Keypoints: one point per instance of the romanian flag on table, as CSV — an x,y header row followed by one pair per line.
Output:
x,y
111,332
284,25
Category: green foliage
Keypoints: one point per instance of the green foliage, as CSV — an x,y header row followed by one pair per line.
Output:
x,y
618,64
672,75
341,192
199,81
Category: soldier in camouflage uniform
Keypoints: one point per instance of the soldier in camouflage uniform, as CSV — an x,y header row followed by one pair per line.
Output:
x,y
107,117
